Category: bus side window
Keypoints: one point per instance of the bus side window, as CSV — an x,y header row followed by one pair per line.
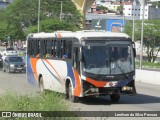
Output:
x,y
32,48
36,47
49,49
58,49
54,48
42,48
69,49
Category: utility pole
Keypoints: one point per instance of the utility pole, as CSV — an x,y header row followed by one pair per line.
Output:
x,y
142,35
134,4
39,14
61,10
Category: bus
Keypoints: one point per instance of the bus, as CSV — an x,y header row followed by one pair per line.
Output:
x,y
82,63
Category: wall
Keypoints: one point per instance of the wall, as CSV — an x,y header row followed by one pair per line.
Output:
x,y
146,76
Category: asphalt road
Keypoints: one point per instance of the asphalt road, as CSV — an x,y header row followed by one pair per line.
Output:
x,y
15,82
147,99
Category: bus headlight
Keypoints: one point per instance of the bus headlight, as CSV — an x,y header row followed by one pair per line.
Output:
x,y
126,88
11,65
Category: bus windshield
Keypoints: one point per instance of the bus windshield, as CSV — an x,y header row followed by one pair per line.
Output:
x,y
107,59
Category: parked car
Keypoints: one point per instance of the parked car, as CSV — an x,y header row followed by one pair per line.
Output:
x,y
14,64
9,52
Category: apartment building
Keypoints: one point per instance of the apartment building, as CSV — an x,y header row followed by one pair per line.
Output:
x,y
129,10
150,11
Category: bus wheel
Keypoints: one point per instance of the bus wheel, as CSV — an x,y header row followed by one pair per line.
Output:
x,y
8,70
115,97
41,85
4,69
72,98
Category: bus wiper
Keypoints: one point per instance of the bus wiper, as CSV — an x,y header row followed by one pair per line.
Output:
x,y
99,71
122,70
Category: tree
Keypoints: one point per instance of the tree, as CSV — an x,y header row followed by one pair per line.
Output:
x,y
102,8
50,25
152,39
151,36
21,15
3,33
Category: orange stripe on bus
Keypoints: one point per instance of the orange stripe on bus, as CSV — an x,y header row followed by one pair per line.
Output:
x,y
96,83
59,35
55,71
77,90
33,62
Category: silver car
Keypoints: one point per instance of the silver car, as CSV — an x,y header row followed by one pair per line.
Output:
x,y
14,64
9,52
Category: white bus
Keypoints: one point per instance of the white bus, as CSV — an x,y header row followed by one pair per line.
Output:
x,y
82,63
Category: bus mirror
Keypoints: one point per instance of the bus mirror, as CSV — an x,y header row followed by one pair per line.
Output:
x,y
134,52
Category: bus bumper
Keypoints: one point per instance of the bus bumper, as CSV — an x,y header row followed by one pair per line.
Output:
x,y
91,90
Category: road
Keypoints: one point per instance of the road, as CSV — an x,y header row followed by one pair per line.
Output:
x,y
147,99
15,82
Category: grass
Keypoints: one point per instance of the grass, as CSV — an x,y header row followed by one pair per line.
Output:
x,y
50,101
148,65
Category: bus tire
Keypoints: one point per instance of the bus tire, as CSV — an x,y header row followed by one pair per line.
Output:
x,y
67,90
72,98
4,69
8,70
115,97
41,85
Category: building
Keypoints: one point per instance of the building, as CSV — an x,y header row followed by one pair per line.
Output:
x,y
150,11
129,10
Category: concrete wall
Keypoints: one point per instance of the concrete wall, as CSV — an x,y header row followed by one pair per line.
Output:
x,y
146,76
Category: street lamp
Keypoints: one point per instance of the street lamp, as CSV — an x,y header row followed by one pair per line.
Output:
x,y
39,14
142,34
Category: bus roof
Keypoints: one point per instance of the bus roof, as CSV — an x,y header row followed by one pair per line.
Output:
x,y
78,34
86,34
